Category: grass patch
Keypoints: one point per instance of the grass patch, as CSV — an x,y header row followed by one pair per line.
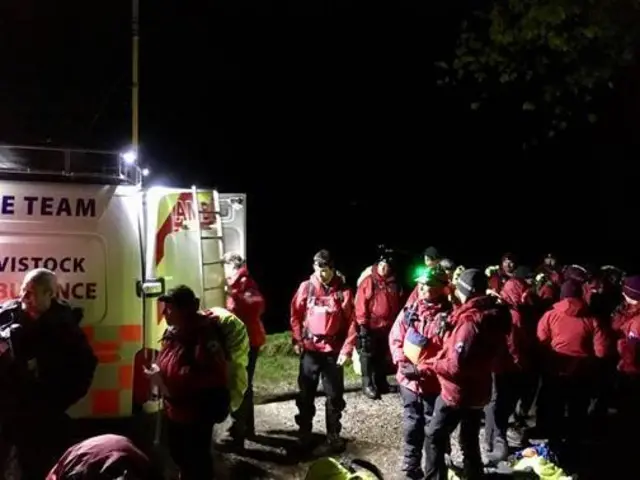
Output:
x,y
277,369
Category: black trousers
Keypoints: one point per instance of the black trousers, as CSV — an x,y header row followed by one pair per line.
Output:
x,y
444,421
244,418
416,415
507,390
190,448
563,406
313,366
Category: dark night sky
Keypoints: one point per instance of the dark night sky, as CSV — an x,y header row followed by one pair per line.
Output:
x,y
327,114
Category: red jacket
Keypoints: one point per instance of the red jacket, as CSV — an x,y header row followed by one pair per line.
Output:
x,y
193,365
521,339
105,457
622,316
246,302
422,320
497,280
629,347
466,361
322,316
571,337
377,300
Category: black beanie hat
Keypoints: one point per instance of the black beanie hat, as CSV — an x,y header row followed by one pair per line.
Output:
x,y
472,281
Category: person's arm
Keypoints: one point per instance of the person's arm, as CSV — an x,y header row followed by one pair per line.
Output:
x,y
298,312
457,359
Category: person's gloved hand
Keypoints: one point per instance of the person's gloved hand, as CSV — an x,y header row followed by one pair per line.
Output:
x,y
409,371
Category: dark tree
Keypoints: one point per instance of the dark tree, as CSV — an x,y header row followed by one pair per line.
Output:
x,y
547,63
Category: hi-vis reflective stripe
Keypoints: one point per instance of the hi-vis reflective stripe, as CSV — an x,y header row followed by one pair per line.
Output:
x,y
112,391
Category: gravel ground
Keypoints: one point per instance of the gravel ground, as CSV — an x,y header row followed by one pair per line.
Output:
x,y
373,430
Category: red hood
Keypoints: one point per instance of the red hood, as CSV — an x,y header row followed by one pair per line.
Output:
x,y
574,307
514,292
480,309
389,279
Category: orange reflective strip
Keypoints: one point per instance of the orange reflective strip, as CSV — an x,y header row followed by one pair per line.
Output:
x,y
131,333
108,346
125,377
107,357
107,352
105,402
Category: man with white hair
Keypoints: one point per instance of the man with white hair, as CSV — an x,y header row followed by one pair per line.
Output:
x,y
53,368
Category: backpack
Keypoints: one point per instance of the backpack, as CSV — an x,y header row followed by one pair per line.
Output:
x,y
328,468
234,339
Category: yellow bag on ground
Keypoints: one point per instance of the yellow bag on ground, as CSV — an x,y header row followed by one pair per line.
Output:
x,y
328,468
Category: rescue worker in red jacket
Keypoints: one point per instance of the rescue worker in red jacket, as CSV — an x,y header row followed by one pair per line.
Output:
x,y
246,302
105,457
464,367
628,346
417,336
52,368
572,342
513,368
323,333
191,372
498,277
629,309
550,268
377,304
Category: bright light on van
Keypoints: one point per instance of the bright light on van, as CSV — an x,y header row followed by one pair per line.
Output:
x,y
130,157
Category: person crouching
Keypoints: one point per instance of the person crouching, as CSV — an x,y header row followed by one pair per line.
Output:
x,y
417,336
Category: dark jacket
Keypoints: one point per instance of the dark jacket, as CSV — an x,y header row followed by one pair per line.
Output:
x,y
52,363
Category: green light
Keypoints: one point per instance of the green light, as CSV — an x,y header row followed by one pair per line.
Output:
x,y
419,271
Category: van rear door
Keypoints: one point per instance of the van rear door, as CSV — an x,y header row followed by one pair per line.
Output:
x,y
176,228
233,210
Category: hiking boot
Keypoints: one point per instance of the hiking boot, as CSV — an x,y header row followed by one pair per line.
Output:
x,y
498,453
370,392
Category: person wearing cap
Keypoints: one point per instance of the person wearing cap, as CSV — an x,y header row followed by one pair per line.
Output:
x,y
246,302
191,372
104,457
432,259
377,304
512,374
463,368
323,333
573,344
417,336
550,268
499,274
